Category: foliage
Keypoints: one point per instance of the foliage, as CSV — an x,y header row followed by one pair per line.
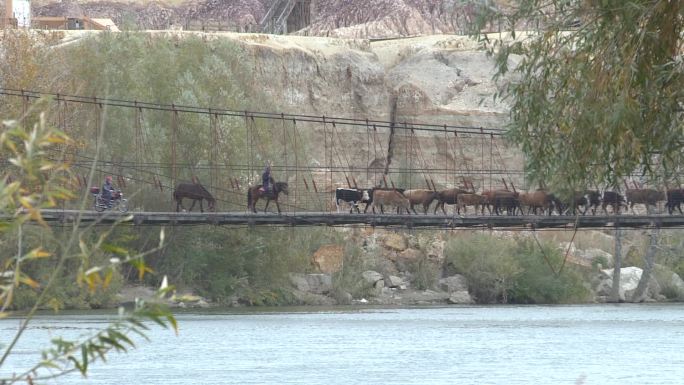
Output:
x,y
424,272
252,264
348,279
537,284
513,271
593,104
31,182
487,263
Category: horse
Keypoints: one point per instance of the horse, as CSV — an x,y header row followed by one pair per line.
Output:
x,y
256,192
194,191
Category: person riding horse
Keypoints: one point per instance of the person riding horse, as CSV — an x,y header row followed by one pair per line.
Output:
x,y
267,180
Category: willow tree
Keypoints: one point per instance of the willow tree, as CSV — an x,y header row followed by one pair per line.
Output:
x,y
596,94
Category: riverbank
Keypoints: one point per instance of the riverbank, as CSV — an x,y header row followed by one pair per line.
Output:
x,y
403,268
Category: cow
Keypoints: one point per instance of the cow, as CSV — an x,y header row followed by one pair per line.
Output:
x,y
614,199
647,197
372,191
593,200
351,196
394,198
447,197
420,196
508,200
476,200
539,199
675,198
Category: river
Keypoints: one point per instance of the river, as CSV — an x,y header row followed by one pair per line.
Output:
x,y
583,344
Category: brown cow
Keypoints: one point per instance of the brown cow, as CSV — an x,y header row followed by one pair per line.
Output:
x,y
449,197
539,199
423,197
463,200
647,197
390,198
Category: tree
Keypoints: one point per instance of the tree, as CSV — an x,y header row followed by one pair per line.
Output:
x,y
597,93
34,179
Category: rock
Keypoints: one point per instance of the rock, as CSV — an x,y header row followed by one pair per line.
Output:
x,y
629,280
394,282
395,241
629,277
372,277
329,259
604,287
598,255
460,297
345,298
312,283
202,304
187,298
455,283
408,255
307,298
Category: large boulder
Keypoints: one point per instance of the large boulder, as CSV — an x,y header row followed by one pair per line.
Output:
x,y
396,242
393,281
454,283
671,283
329,259
461,297
374,278
629,280
312,283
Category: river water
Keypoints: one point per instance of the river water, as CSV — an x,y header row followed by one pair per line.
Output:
x,y
587,344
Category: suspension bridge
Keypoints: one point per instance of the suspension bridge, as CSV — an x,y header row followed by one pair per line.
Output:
x,y
226,149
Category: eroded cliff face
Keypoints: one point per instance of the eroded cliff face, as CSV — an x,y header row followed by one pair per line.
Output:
x,y
439,80
433,79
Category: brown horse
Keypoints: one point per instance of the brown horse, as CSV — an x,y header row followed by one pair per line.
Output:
x,y
194,191
256,192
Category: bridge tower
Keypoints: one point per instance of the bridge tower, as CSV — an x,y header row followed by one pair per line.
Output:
x,y
287,16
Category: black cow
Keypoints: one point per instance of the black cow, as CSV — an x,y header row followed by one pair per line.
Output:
x,y
675,198
352,196
594,201
615,199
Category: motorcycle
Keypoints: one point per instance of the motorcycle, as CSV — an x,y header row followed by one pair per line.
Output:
x,y
101,204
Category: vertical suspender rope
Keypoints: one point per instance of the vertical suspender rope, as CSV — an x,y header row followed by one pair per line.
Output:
x,y
343,156
213,170
294,128
285,160
248,139
137,140
367,153
408,147
174,128
327,161
24,107
491,157
446,157
97,123
482,162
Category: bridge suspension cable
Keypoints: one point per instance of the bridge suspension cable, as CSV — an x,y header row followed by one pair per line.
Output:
x,y
358,122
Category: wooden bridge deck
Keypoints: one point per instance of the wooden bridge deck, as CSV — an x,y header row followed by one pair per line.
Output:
x,y
335,219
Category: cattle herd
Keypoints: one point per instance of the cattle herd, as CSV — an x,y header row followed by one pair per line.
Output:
x,y
498,202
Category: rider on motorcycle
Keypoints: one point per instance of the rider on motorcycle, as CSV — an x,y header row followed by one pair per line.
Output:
x,y
108,191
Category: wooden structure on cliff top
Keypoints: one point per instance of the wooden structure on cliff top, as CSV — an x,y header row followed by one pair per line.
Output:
x,y
18,15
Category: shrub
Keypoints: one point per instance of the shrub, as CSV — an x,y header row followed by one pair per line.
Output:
x,y
513,270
